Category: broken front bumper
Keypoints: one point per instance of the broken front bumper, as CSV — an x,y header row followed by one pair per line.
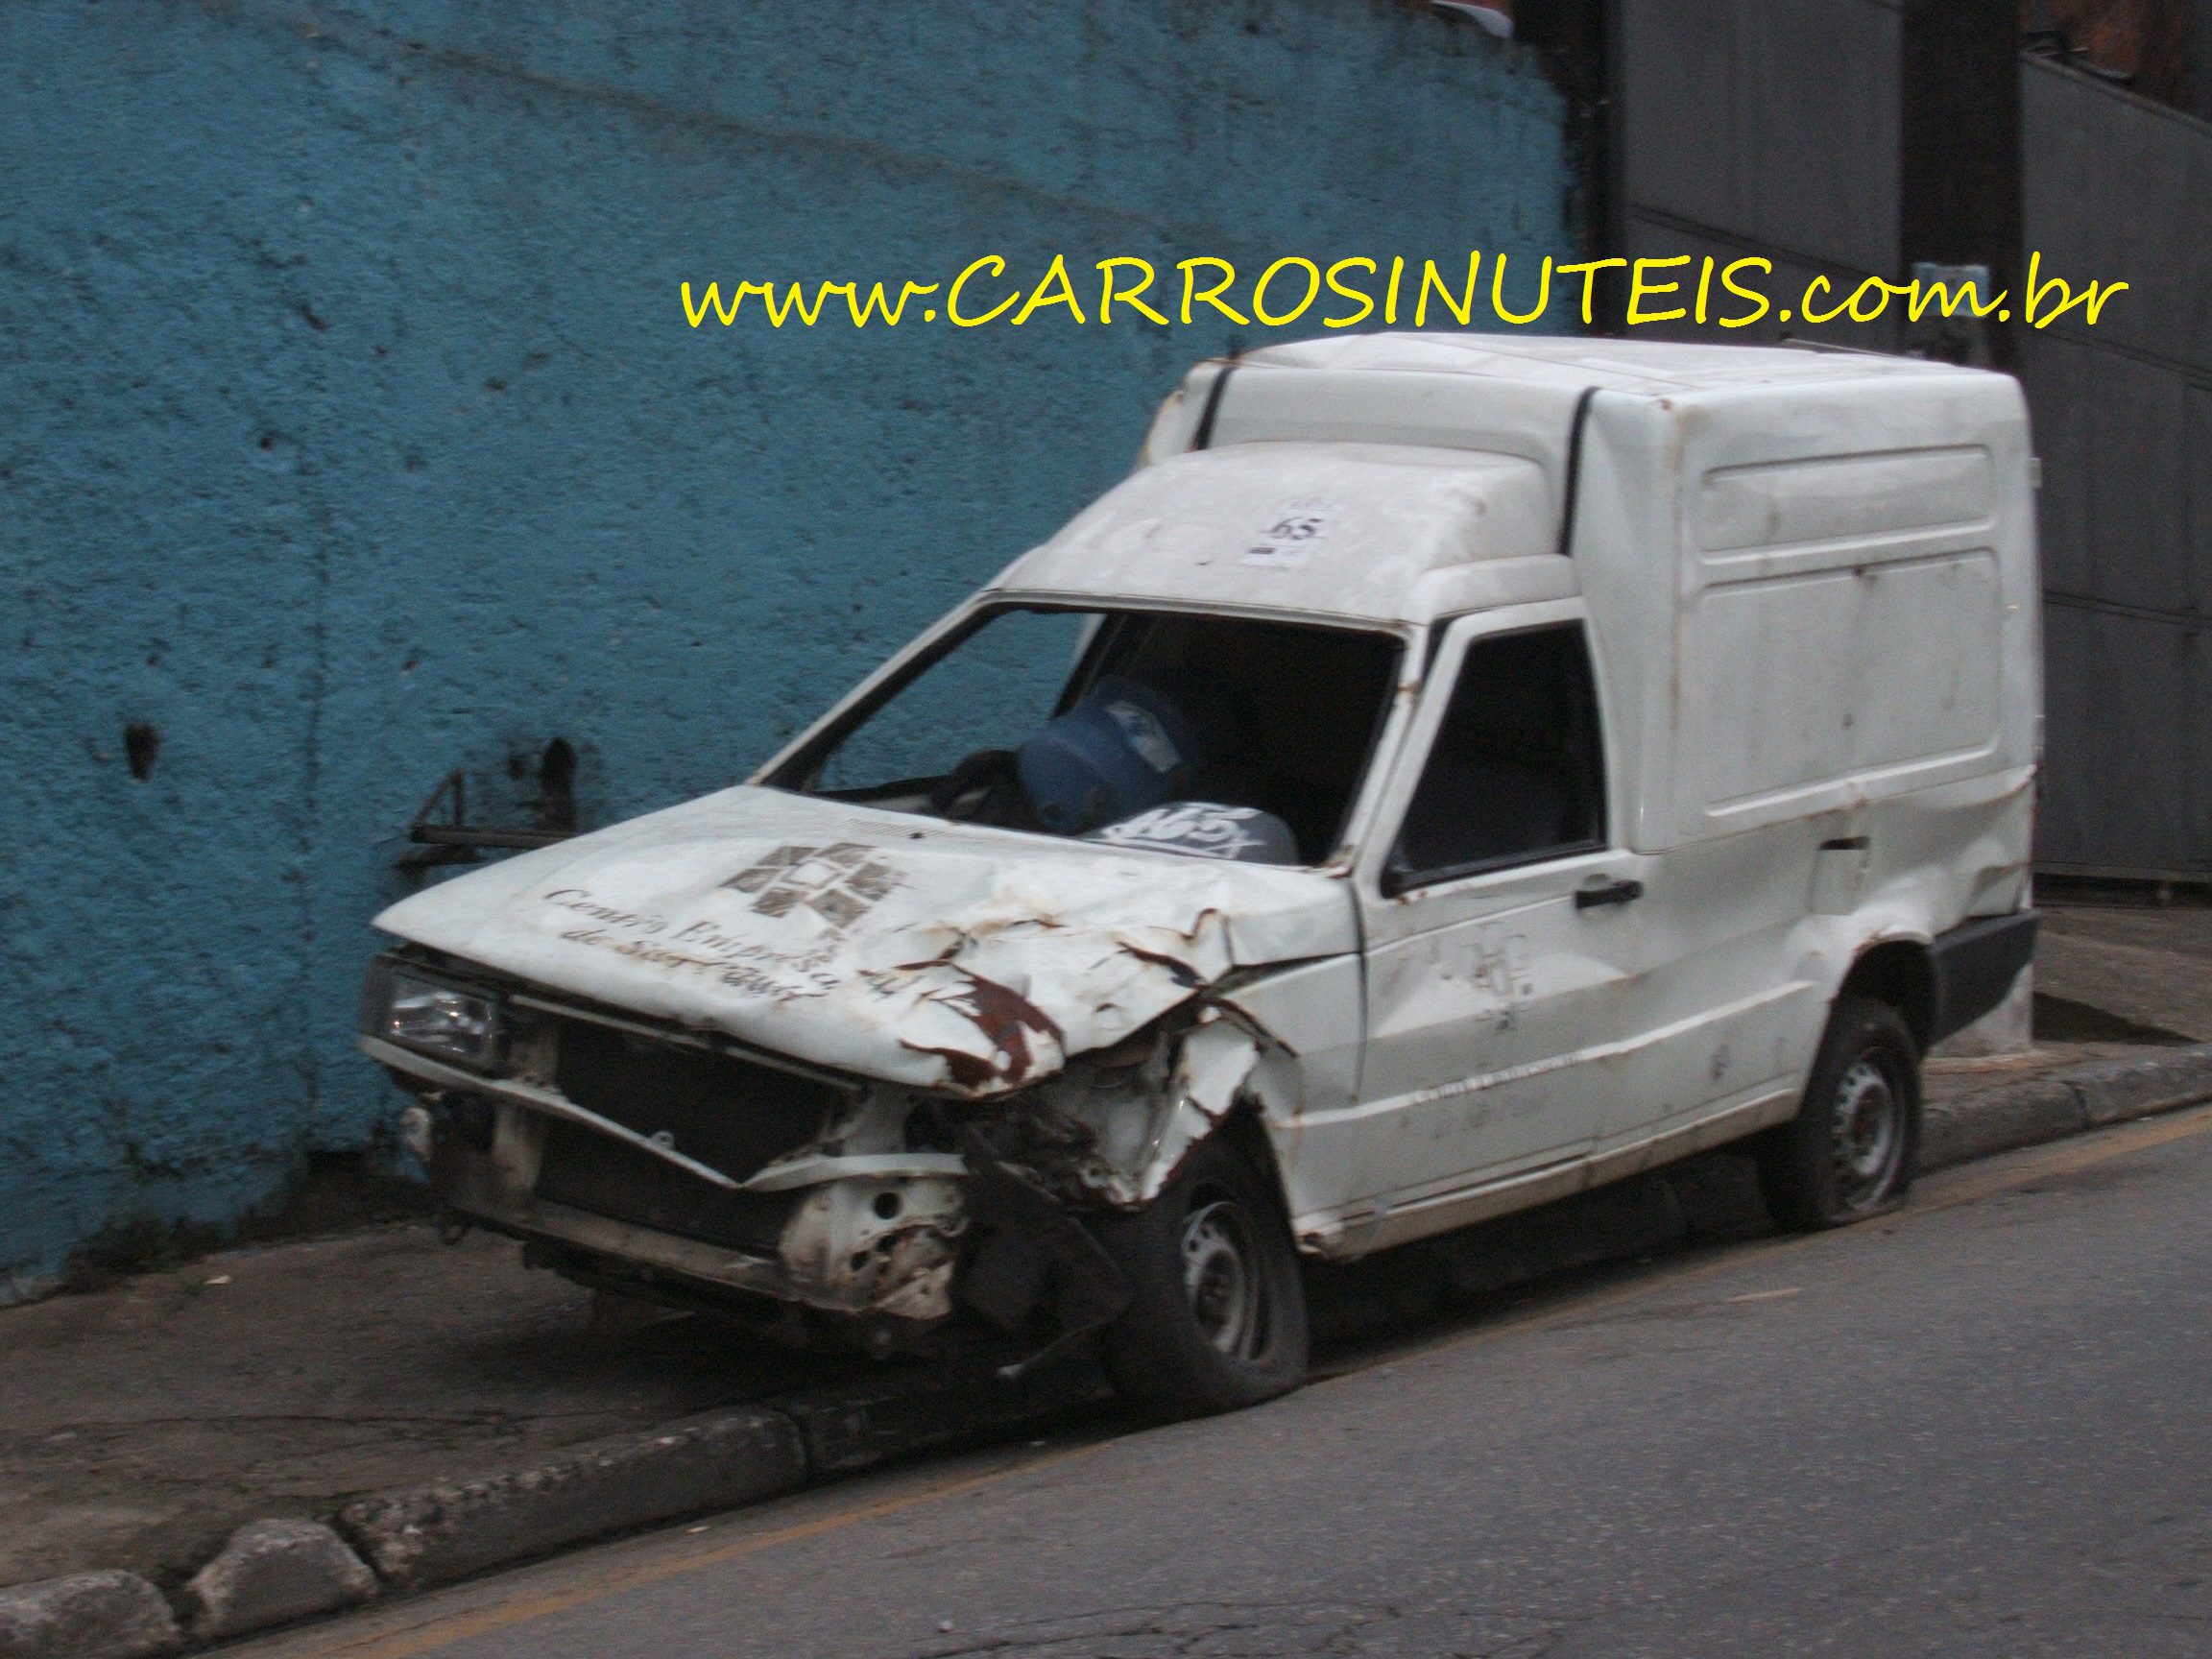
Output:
x,y
680,1157
683,1165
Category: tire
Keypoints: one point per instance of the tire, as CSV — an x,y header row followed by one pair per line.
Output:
x,y
1217,1319
1848,1153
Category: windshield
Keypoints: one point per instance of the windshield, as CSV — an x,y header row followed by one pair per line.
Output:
x,y
1213,735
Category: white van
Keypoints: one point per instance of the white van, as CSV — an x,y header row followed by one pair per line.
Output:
x,y
1452,772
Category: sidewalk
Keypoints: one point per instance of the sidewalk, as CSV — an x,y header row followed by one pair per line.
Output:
x,y
2146,967
147,1421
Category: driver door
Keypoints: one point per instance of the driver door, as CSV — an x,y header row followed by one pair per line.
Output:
x,y
1507,980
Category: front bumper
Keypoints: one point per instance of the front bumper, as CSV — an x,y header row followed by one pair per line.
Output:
x,y
681,1162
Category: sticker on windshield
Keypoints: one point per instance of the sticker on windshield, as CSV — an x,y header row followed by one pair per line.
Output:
x,y
1293,530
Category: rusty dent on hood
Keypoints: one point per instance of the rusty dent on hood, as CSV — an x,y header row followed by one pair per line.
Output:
x,y
973,963
1016,1028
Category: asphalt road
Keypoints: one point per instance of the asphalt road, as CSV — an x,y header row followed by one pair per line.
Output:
x,y
1982,1426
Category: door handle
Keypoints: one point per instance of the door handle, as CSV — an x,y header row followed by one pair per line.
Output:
x,y
1607,892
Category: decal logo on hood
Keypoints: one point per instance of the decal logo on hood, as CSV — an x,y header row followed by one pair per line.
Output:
x,y
840,883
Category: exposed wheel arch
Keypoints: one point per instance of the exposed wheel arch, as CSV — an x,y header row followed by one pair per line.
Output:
x,y
1900,972
1245,1128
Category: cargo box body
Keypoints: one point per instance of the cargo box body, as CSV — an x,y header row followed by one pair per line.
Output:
x,y
1809,588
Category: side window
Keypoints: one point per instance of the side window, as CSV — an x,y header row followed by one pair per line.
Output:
x,y
1517,772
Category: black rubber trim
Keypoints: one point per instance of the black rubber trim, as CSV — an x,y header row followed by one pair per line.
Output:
x,y
1975,965
1204,437
1612,893
1574,471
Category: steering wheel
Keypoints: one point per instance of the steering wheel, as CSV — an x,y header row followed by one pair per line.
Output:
x,y
991,772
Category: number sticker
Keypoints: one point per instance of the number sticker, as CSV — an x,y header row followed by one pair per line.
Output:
x,y
1293,531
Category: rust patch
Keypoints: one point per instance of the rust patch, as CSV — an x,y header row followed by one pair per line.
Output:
x,y
1181,972
1198,924
1252,1024
1008,1021
968,1071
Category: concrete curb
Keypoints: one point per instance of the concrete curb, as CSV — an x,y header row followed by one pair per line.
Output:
x,y
430,1535
86,1616
272,1573
863,1423
2039,1109
725,1460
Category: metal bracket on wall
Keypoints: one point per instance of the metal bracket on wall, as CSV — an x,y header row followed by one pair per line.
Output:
x,y
457,841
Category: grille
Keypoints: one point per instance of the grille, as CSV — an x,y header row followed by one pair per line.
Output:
x,y
728,1113
586,1170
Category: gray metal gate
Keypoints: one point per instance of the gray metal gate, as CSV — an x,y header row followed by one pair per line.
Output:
x,y
1762,126
2117,186
1779,127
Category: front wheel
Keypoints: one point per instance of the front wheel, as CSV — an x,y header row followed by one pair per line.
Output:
x,y
1216,1317
1849,1150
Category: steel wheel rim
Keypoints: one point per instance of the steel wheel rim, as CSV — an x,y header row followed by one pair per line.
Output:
x,y
1869,1132
1222,1277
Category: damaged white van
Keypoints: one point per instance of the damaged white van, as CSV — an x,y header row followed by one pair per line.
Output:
x,y
1452,772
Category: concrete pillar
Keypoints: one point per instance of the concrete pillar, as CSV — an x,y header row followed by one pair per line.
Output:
x,y
2009,1028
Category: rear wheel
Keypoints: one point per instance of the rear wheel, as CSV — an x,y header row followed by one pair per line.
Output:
x,y
1216,1317
1849,1150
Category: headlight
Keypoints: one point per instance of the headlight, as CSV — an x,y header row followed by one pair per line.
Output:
x,y
441,1020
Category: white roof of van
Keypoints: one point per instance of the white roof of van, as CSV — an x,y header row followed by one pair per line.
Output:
x,y
1377,531
1573,361
1430,470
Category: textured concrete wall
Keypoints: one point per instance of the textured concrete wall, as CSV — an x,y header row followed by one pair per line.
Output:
x,y
350,432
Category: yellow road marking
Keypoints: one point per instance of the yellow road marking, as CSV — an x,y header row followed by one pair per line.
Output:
x,y
2070,1155
441,1630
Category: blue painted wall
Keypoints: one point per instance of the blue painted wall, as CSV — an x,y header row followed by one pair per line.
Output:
x,y
350,431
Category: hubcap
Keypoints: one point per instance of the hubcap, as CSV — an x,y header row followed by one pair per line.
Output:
x,y
1220,1273
1869,1134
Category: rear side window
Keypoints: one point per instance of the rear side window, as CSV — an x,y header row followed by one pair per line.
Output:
x,y
1517,772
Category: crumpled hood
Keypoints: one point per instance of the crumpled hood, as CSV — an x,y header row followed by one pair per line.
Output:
x,y
940,956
